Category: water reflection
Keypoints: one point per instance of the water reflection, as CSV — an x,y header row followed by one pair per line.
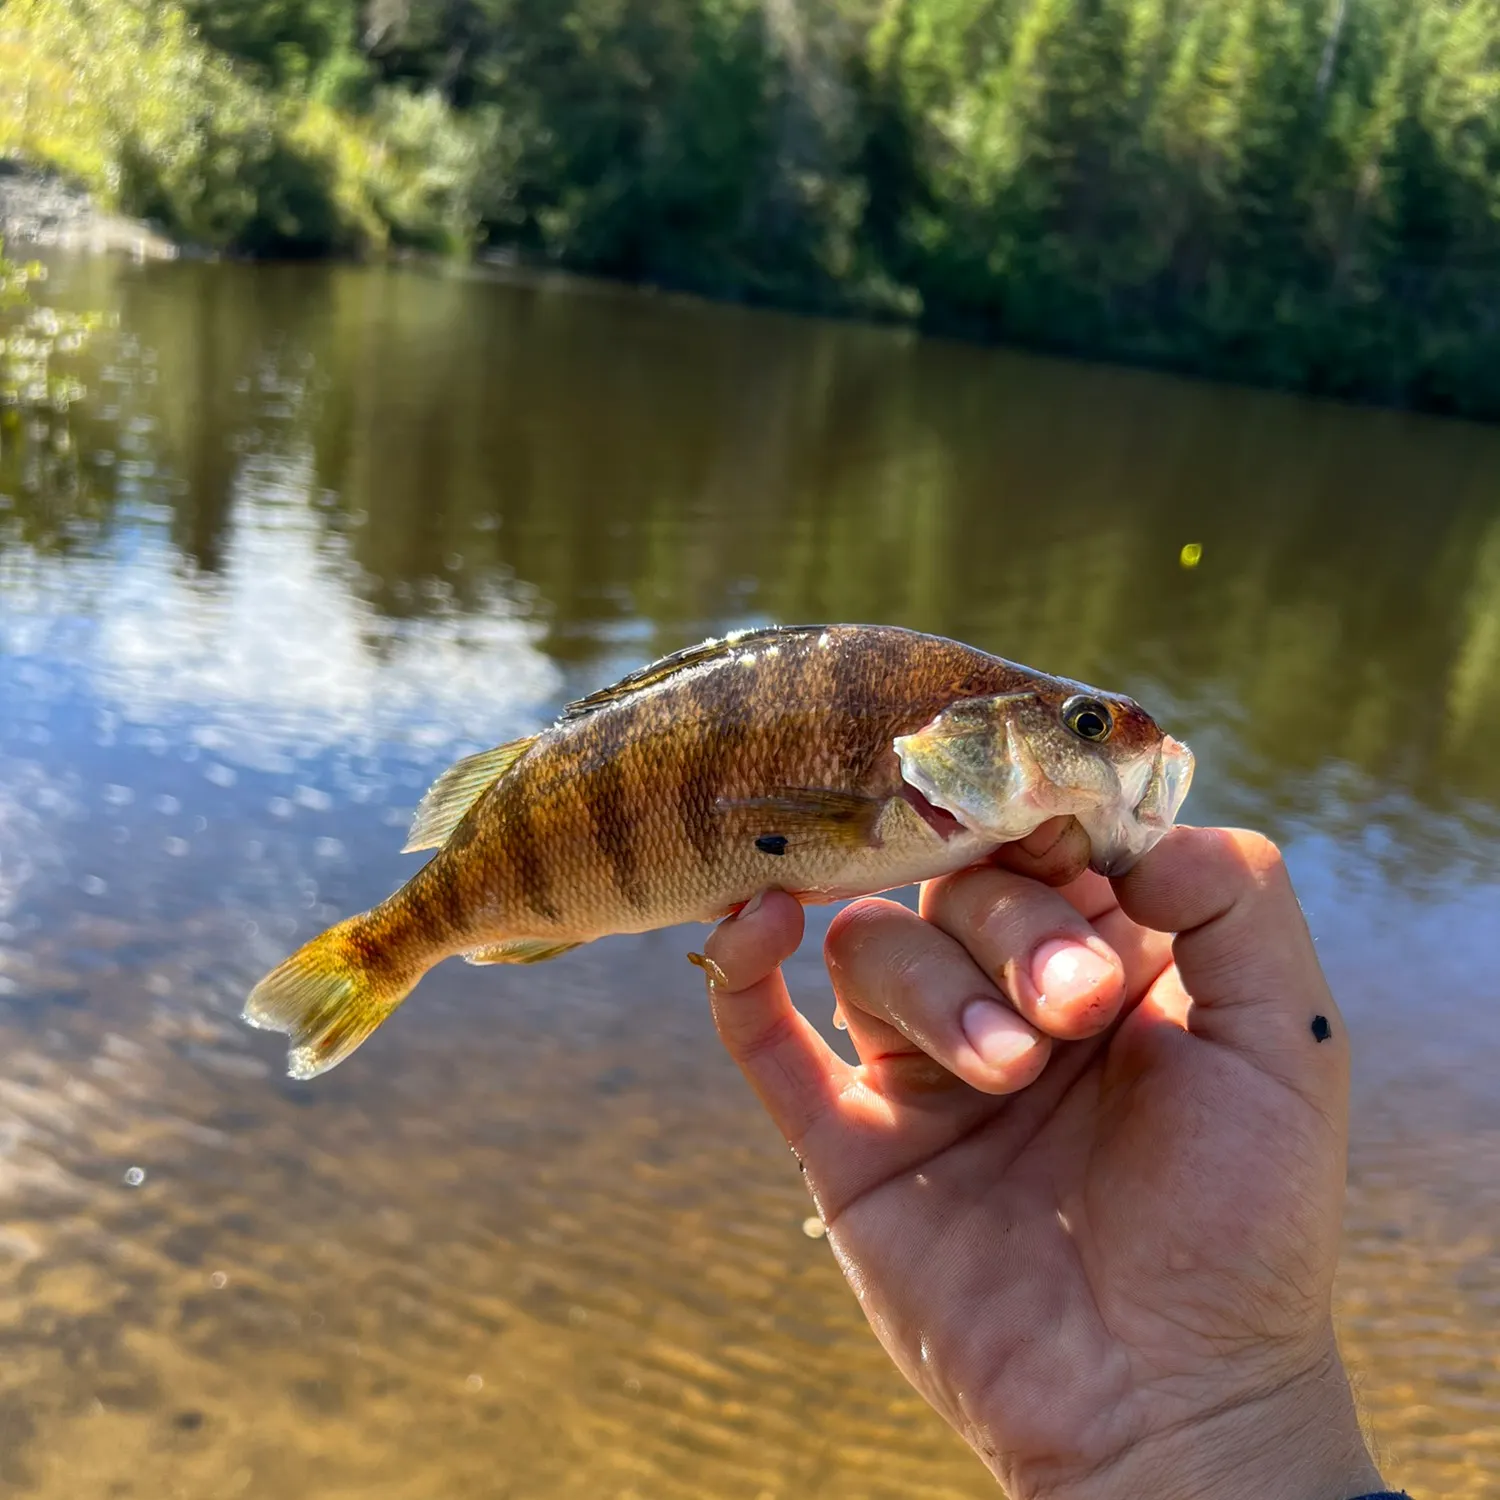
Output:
x,y
638,468
318,532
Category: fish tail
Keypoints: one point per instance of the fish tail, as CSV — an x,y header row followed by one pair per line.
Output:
x,y
333,992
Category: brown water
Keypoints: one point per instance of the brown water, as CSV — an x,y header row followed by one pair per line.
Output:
x,y
318,533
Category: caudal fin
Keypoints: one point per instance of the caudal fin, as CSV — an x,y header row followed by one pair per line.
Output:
x,y
329,996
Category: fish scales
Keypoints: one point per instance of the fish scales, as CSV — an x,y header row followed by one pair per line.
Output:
x,y
767,759
652,772
638,784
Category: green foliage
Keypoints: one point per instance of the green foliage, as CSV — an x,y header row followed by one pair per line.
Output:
x,y
1301,192
126,96
428,192
290,41
34,342
1294,192
38,389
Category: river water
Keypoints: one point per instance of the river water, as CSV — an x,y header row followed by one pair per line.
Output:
x,y
317,532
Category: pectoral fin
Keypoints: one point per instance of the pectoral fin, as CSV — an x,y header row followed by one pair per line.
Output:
x,y
450,797
520,951
806,815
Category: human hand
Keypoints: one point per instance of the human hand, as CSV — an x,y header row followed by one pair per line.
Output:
x,y
1087,1179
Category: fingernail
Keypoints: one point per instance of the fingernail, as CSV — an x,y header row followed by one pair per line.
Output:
x,y
998,1035
1065,971
752,906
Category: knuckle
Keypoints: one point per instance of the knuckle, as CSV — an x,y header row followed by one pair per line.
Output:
x,y
1259,855
747,953
1230,858
766,1042
858,926
854,920
971,898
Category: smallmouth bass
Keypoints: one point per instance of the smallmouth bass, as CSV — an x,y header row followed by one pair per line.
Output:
x,y
831,761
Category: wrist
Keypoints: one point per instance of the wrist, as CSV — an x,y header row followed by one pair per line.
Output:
x,y
1299,1440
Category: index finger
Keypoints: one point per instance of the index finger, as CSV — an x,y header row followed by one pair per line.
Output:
x,y
848,1132
798,1076
1057,854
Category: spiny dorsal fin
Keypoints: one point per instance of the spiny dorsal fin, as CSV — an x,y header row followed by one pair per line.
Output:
x,y
683,661
457,790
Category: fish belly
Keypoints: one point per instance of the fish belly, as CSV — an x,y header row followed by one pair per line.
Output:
x,y
907,851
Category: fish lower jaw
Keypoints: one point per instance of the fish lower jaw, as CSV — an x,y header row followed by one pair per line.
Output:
x,y
1023,816
942,822
1019,815
1116,848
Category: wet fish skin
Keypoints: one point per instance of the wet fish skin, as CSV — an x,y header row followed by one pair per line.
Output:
x,y
628,814
769,758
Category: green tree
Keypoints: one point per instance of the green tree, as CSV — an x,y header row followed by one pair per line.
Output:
x,y
1302,192
292,42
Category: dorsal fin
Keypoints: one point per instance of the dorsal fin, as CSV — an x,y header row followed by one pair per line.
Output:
x,y
683,661
442,809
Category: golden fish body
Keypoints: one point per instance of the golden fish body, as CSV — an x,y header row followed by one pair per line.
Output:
x,y
828,761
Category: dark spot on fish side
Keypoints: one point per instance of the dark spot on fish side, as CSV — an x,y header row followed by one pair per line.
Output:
x,y
187,1421
1321,1030
772,843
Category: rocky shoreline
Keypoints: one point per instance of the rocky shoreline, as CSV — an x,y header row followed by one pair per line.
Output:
x,y
39,208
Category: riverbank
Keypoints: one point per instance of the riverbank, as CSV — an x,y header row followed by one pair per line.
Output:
x,y
1300,200
40,208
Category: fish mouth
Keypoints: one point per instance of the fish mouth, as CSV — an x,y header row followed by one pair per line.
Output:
x,y
1154,791
1167,789
939,819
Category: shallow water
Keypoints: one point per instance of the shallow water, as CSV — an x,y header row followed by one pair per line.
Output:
x,y
316,533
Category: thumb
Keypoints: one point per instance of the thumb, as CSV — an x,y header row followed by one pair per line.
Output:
x,y
1243,952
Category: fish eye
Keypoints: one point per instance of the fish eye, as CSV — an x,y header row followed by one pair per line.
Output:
x,y
1088,718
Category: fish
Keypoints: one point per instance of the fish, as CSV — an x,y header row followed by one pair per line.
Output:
x,y
830,761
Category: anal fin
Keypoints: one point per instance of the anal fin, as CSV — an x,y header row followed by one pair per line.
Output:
x,y
520,951
451,796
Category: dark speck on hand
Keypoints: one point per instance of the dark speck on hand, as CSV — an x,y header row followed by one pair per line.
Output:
x,y
771,843
1321,1030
